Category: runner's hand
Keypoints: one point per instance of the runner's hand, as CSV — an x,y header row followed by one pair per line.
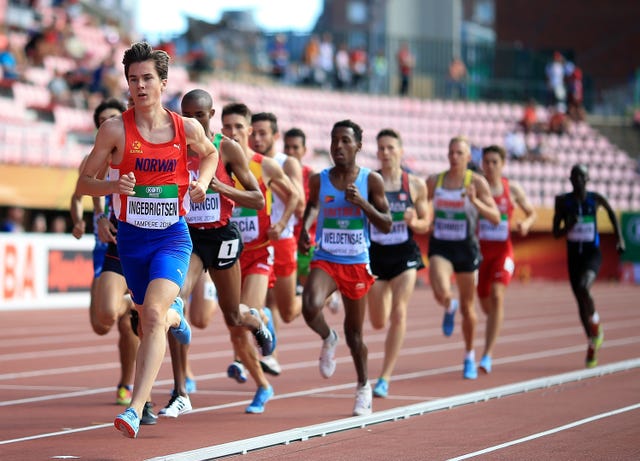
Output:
x,y
126,184
197,192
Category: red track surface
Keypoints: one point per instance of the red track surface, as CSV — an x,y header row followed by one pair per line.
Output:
x,y
58,384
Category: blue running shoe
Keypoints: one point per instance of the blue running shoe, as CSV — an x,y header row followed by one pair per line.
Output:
x,y
190,385
128,423
382,388
236,371
485,364
183,331
448,322
470,370
262,396
263,335
271,327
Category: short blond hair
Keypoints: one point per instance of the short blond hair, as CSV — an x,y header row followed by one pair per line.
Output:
x,y
461,139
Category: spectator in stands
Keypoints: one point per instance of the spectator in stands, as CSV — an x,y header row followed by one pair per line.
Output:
x,y
8,63
105,80
476,158
343,68
558,122
515,144
529,120
39,223
59,89
456,79
279,58
14,222
359,68
555,71
406,63
636,119
59,225
379,73
575,109
310,73
326,61
575,217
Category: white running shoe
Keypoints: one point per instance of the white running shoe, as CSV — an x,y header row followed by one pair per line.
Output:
x,y
363,401
327,355
178,405
269,364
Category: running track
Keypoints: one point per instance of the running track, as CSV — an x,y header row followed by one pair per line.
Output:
x,y
58,385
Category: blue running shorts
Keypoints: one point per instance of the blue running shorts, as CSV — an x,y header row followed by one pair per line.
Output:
x,y
149,254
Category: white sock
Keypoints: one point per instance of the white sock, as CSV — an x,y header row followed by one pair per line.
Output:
x,y
450,308
331,337
471,355
595,318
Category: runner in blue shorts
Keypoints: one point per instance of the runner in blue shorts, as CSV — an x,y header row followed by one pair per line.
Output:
x,y
146,149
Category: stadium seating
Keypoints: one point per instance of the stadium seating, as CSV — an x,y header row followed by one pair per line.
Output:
x,y
425,125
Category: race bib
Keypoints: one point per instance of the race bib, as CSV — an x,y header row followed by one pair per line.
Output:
x,y
247,221
206,212
497,233
343,237
153,207
450,226
399,231
584,230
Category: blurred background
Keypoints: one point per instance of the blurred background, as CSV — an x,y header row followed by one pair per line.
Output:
x,y
555,82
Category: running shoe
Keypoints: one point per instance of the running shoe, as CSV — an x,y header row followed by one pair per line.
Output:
x,y
485,364
271,326
260,399
327,354
269,364
263,336
363,401
178,405
470,371
595,342
123,395
149,418
183,331
382,388
128,423
236,371
449,320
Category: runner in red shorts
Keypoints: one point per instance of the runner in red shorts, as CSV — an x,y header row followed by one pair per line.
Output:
x,y
346,199
497,265
256,261
281,296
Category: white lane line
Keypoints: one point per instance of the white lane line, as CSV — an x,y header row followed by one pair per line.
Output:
x,y
377,417
320,430
547,432
512,338
314,363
